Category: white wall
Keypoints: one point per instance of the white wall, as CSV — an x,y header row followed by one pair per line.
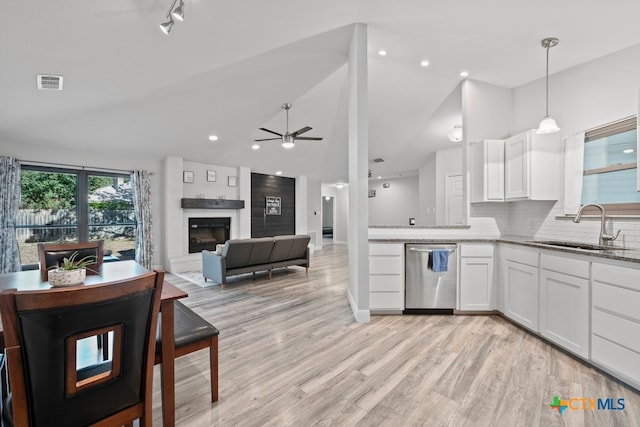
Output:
x,y
396,204
427,192
314,210
448,162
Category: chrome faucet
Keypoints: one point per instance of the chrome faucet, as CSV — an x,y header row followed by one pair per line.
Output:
x,y
605,239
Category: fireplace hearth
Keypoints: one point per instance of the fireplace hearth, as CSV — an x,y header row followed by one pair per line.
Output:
x,y
206,233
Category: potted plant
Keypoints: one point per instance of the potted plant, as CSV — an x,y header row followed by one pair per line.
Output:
x,y
71,271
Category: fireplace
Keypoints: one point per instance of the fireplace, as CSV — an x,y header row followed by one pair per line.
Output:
x,y
206,233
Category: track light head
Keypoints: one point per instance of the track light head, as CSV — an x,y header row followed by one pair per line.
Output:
x,y
178,12
165,27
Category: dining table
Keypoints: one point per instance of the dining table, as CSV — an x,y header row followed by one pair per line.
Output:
x,y
111,272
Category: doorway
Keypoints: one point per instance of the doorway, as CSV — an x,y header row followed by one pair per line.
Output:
x,y
453,200
328,223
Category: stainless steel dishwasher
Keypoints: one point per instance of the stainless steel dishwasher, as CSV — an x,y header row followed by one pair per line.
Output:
x,y
427,291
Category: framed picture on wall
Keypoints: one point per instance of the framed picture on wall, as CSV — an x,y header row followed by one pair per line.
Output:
x,y
211,176
273,205
187,177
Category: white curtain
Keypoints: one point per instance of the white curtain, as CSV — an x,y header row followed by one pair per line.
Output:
x,y
142,205
9,205
573,172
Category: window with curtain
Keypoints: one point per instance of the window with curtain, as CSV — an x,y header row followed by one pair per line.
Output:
x,y
610,167
67,205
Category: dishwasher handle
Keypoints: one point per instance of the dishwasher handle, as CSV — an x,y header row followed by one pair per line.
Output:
x,y
429,250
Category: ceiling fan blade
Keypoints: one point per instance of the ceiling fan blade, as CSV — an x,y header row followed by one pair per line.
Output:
x,y
309,138
270,131
267,139
301,131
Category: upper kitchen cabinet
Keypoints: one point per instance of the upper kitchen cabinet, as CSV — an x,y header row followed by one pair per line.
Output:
x,y
487,171
532,166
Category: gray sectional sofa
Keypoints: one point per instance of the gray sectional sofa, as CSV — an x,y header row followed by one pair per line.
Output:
x,y
259,254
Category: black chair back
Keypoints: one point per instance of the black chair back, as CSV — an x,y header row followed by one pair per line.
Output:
x,y
42,331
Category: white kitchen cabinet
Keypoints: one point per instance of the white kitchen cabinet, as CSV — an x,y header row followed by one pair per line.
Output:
x,y
532,166
615,320
477,285
487,171
564,302
520,280
386,277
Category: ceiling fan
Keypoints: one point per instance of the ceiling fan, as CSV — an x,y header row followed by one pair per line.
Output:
x,y
289,138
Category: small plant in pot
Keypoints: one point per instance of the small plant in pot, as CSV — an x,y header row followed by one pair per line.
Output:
x,y
71,271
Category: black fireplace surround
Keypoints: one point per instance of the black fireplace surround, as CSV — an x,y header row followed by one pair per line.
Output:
x,y
206,233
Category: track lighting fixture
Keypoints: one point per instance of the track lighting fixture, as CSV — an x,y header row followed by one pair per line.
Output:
x,y
173,12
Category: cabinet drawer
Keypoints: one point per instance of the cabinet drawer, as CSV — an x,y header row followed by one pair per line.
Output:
x,y
616,275
521,256
385,265
573,267
618,359
616,300
621,331
384,283
476,250
386,249
386,300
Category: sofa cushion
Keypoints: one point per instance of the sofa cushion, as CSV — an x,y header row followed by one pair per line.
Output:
x,y
281,248
260,251
299,246
237,252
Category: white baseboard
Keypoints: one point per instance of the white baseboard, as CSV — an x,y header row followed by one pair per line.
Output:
x,y
361,316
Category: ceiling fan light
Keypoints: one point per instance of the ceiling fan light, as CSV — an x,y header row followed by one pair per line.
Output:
x,y
288,145
178,12
547,125
165,27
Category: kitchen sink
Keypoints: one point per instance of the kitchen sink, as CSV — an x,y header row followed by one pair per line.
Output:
x,y
577,245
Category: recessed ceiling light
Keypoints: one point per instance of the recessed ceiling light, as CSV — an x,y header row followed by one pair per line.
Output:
x,y
255,147
424,63
279,173
628,151
213,137
382,52
464,74
339,186
379,177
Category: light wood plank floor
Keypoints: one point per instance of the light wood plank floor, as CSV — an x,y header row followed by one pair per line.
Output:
x,y
291,354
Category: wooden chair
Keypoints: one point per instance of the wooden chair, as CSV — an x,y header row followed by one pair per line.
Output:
x,y
52,254
192,333
42,330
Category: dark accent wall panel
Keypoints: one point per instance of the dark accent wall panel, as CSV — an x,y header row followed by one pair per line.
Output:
x,y
263,225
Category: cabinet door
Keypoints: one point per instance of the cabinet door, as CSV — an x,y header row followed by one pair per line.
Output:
x,y
521,294
476,284
494,169
564,311
516,150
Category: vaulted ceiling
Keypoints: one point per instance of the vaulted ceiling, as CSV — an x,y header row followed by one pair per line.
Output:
x,y
230,65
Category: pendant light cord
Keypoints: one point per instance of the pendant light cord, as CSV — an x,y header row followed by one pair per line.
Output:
x,y
547,106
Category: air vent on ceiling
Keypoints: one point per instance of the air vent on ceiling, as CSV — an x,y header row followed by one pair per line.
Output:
x,y
50,82
377,160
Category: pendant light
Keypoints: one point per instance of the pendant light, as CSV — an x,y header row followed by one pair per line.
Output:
x,y
548,125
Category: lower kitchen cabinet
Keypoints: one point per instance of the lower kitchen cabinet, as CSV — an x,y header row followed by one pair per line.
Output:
x,y
386,277
521,288
615,320
477,285
564,310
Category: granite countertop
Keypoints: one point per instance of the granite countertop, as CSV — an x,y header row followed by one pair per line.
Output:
x,y
614,252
